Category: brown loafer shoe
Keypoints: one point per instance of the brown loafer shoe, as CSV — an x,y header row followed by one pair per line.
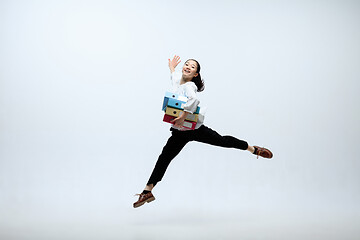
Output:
x,y
143,198
263,152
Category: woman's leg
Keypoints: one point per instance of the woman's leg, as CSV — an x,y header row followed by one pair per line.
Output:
x,y
251,149
209,136
172,148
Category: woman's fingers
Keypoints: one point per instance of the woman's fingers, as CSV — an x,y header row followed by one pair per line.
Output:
x,y
177,122
174,62
176,59
174,120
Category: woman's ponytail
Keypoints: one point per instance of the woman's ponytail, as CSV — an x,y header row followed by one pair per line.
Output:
x,y
197,80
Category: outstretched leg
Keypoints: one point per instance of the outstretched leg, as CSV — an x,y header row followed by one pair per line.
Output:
x,y
209,136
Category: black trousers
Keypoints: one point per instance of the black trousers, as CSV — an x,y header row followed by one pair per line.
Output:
x,y
179,139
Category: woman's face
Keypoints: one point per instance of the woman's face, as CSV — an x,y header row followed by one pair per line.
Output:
x,y
189,69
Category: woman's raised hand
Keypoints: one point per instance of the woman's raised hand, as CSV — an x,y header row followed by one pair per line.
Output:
x,y
173,63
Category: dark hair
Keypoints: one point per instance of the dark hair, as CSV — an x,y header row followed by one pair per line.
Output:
x,y
197,80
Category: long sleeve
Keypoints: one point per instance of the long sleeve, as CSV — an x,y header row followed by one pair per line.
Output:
x,y
190,92
175,79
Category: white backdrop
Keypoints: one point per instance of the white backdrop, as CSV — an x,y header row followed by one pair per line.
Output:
x,y
81,89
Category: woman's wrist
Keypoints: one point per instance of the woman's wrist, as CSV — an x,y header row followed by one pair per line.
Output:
x,y
184,115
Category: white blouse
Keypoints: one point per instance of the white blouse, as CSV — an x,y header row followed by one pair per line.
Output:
x,y
188,90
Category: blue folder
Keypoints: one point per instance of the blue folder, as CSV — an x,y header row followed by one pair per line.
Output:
x,y
175,101
175,96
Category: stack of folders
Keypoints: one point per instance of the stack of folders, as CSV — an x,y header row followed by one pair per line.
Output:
x,y
173,108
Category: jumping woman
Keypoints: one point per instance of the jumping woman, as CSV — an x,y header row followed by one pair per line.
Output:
x,y
187,85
